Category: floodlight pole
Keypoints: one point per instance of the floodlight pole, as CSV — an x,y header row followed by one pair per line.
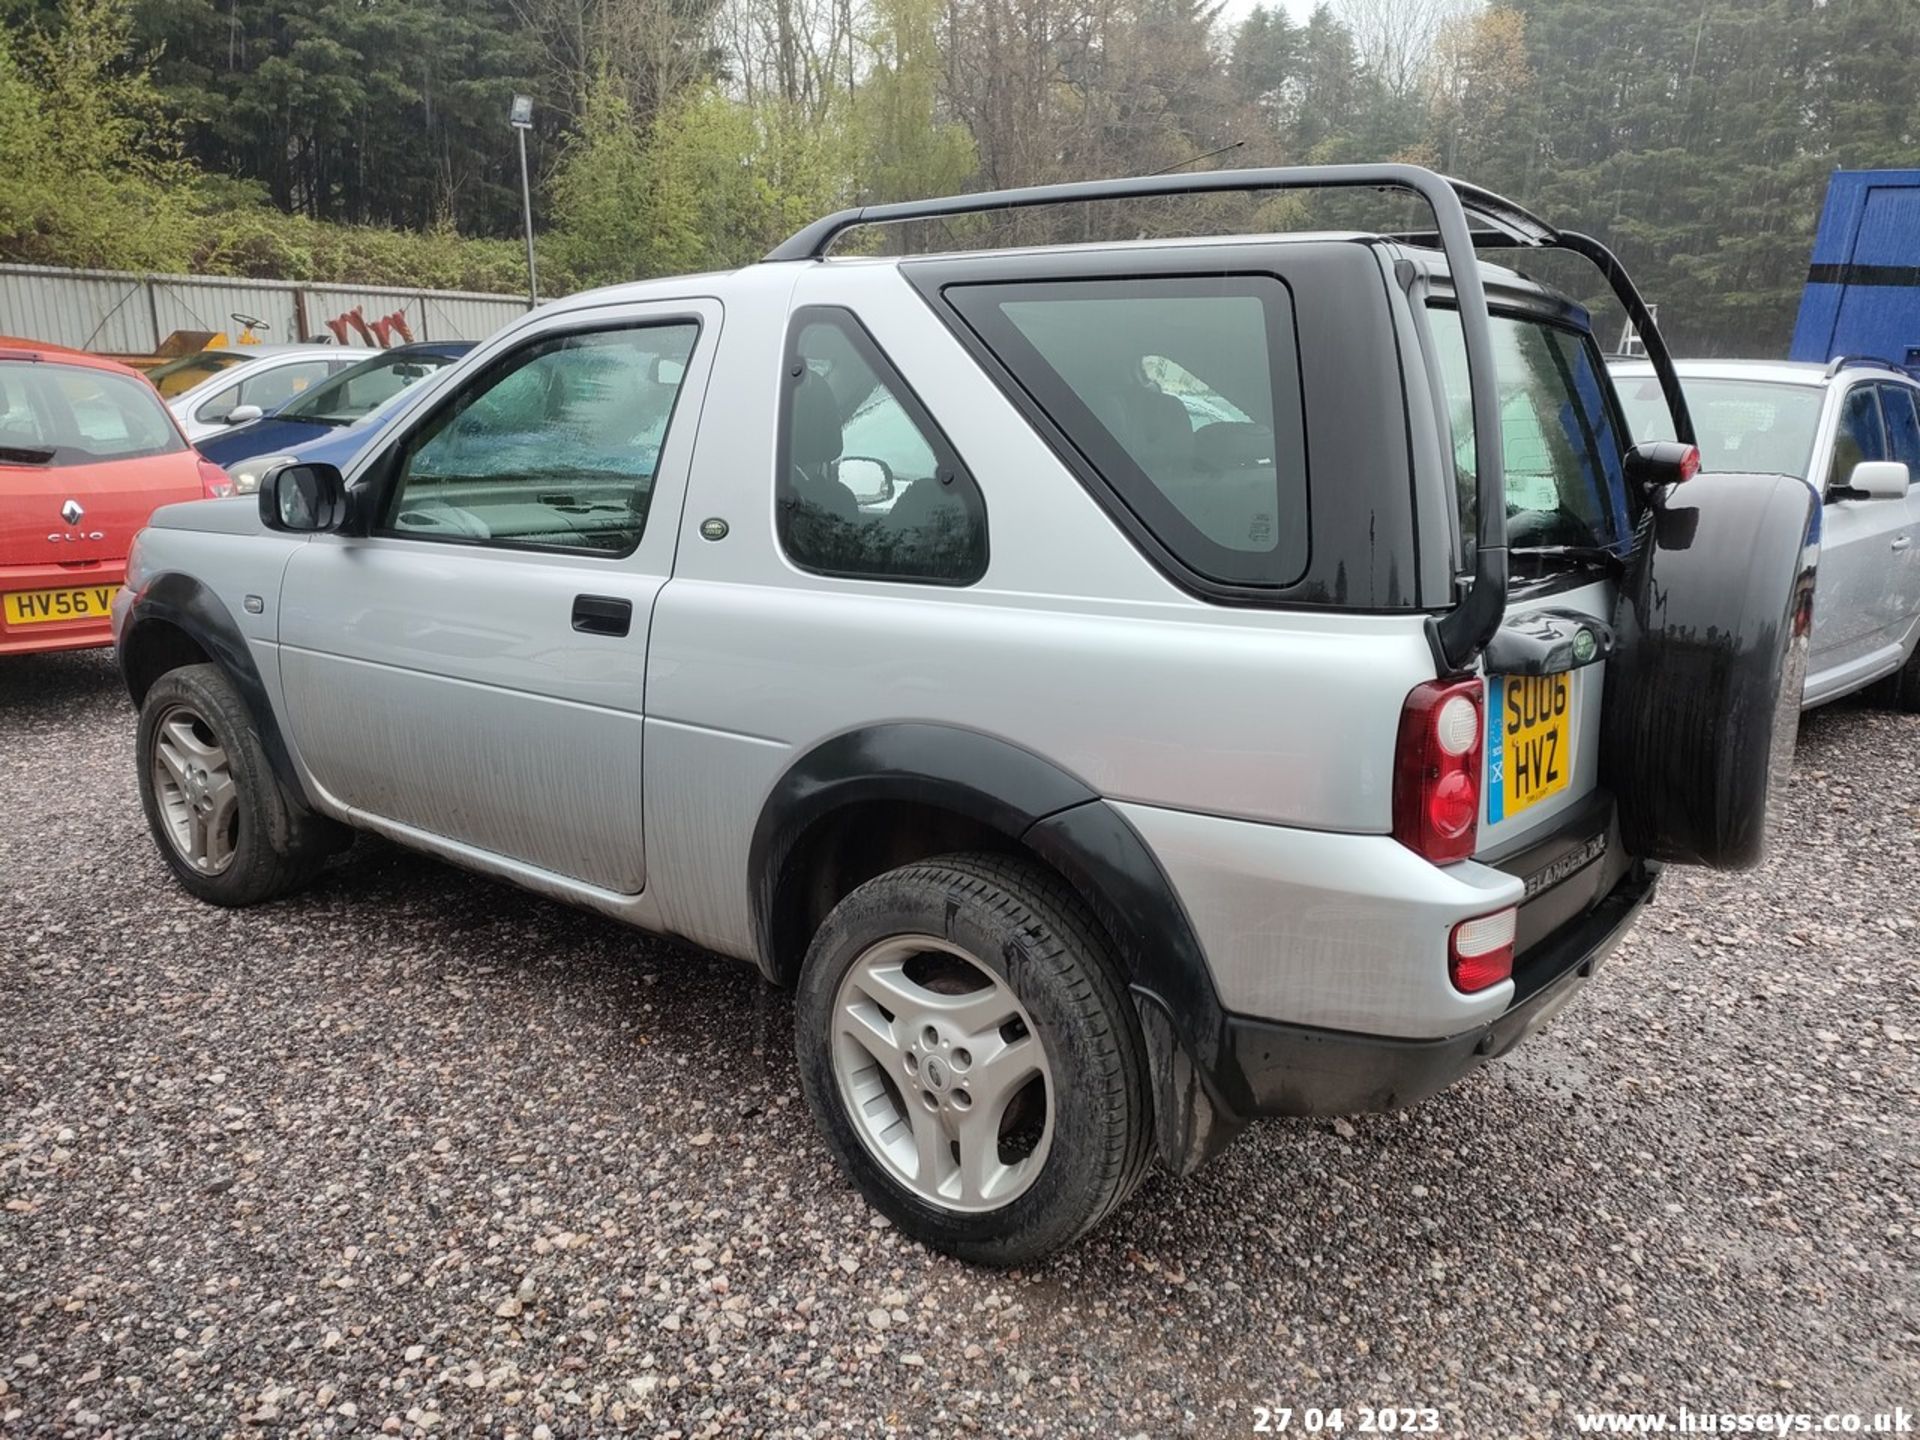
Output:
x,y
521,118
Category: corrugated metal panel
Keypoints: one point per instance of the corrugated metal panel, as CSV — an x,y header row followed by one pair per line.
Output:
x,y
89,310
451,315
128,314
183,304
430,315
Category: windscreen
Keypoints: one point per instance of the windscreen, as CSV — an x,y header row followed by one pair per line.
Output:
x,y
176,377
1183,393
1564,451
1748,426
55,415
354,394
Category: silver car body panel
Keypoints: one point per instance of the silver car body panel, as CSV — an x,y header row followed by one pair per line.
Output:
x,y
434,693
1347,932
442,687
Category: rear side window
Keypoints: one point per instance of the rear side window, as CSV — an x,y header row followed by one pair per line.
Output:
x,y
1903,427
868,486
1860,436
56,415
1183,395
1564,451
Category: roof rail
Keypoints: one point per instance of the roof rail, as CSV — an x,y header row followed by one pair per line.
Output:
x,y
1846,362
1502,215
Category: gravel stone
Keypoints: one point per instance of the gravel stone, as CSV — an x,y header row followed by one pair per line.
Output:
x,y
417,1153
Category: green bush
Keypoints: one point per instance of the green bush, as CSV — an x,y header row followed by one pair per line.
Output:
x,y
94,178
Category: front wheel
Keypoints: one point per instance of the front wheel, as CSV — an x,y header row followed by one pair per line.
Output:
x,y
970,1052
224,825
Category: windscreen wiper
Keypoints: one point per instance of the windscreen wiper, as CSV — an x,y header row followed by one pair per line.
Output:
x,y
26,454
1571,555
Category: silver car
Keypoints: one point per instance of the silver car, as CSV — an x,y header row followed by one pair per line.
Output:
x,y
1117,686
1852,430
242,383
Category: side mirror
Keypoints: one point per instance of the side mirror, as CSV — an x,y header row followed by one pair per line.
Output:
x,y
668,372
870,480
1873,480
1654,464
303,499
243,414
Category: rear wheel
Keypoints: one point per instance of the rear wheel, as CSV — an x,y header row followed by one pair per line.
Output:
x,y
971,1054
224,825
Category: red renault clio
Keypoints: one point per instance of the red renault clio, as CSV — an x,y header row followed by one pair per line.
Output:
x,y
87,451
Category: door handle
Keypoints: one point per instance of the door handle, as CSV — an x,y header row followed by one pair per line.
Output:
x,y
1902,543
602,615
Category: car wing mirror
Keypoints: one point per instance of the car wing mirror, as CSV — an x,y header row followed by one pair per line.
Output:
x,y
303,499
243,415
1874,480
870,480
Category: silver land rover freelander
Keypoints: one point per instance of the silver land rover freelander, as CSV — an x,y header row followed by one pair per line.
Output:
x,y
1126,689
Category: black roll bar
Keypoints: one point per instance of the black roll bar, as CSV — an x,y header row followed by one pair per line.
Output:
x,y
1461,633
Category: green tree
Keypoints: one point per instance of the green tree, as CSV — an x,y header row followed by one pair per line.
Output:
x,y
908,147
93,166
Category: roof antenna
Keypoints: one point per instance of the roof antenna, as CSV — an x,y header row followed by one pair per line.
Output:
x,y
1198,158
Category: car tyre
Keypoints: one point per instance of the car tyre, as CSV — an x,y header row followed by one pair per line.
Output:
x,y
224,823
1901,690
1043,960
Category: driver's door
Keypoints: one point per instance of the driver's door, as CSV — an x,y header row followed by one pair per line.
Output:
x,y
474,668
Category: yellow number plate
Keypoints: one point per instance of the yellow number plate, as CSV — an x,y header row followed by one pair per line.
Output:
x,y
38,607
1529,741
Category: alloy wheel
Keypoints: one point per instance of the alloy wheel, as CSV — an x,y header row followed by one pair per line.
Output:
x,y
942,1073
194,784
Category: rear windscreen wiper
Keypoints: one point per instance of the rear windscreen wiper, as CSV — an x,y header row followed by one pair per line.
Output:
x,y
26,454
1573,555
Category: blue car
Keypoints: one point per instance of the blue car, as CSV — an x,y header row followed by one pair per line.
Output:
x,y
334,419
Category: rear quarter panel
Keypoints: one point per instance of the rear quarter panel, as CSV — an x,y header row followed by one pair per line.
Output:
x,y
1146,695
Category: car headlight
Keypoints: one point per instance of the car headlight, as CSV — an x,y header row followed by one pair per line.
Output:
x,y
246,474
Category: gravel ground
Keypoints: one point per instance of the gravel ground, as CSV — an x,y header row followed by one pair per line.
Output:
x,y
416,1153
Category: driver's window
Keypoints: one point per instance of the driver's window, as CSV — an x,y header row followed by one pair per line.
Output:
x,y
219,407
1860,436
554,446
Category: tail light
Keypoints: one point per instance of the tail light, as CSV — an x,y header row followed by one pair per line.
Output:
x,y
215,483
1436,771
1480,952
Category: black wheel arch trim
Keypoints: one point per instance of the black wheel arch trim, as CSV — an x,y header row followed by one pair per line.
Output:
x,y
189,606
1064,823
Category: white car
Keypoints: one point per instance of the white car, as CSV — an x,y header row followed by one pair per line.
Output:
x,y
244,383
1851,429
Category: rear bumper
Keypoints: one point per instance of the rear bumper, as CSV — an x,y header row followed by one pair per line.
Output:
x,y
57,634
1302,1070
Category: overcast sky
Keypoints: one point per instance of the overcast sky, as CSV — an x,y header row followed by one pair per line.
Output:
x,y
1298,9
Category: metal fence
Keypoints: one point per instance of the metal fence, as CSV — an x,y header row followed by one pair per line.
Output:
x,y
119,312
